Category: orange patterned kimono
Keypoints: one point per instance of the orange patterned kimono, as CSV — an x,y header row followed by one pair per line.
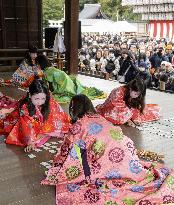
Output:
x,y
25,74
24,129
115,110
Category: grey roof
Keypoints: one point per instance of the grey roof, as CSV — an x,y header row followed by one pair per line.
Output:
x,y
90,11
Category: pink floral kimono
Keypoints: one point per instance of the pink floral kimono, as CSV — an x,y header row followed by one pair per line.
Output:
x,y
97,150
116,111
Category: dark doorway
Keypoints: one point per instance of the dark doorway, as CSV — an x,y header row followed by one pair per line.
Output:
x,y
20,23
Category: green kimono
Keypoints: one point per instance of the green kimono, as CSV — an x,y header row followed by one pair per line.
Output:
x,y
65,86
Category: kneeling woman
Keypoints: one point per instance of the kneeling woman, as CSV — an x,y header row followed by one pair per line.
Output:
x,y
38,118
97,164
126,104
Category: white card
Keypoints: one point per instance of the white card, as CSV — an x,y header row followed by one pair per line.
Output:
x,y
52,151
31,156
47,144
54,142
37,150
44,163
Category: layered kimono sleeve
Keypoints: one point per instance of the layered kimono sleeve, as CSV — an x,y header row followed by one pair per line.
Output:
x,y
24,131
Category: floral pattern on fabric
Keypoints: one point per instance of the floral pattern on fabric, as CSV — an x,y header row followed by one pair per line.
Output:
x,y
170,182
24,75
129,201
91,196
168,199
76,128
94,128
145,202
98,147
110,203
117,176
116,155
135,167
73,187
113,174
116,135
72,172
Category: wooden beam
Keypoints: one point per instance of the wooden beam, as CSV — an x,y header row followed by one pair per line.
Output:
x,y
71,35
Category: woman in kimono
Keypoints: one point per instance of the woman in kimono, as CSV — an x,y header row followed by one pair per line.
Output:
x,y
97,164
126,104
7,105
26,71
63,86
37,118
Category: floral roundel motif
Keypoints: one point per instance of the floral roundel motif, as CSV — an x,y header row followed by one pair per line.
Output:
x,y
135,166
94,128
145,202
98,147
116,155
72,172
170,182
116,134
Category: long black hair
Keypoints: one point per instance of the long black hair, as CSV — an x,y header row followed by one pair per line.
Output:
x,y
137,85
80,105
42,61
37,86
32,49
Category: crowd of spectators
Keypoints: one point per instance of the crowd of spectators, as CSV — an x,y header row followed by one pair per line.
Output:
x,y
122,59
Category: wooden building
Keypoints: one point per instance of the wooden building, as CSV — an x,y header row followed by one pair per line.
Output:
x,y
20,23
21,26
159,14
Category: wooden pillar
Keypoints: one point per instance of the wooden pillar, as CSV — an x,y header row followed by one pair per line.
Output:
x,y
71,35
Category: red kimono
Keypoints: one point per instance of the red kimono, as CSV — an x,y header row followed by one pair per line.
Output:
x,y
24,129
6,103
115,110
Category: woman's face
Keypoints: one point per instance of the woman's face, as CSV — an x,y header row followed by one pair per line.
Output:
x,y
33,56
99,55
134,94
38,99
147,54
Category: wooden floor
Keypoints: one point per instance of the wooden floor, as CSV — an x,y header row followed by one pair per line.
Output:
x,y
20,176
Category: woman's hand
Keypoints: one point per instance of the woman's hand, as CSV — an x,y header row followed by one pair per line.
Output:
x,y
29,148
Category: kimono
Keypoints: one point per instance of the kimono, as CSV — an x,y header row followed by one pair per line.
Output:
x,y
64,87
23,129
115,110
24,75
97,150
7,105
